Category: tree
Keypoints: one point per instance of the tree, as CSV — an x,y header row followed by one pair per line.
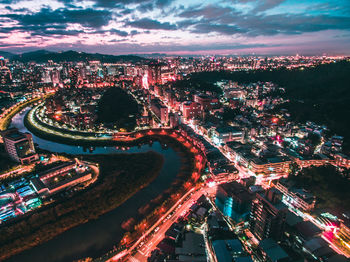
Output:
x,y
118,107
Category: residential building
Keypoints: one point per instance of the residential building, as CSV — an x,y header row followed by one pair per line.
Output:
x,y
19,146
268,215
160,110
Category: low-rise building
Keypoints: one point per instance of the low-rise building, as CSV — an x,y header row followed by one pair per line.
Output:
x,y
270,165
222,135
297,197
192,249
342,160
272,252
56,179
227,250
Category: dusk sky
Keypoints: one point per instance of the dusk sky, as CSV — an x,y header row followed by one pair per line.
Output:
x,y
177,26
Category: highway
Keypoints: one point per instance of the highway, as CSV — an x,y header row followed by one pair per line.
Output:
x,y
145,250
149,241
142,249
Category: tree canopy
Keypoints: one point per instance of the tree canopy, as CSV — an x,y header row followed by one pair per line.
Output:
x,y
320,94
116,107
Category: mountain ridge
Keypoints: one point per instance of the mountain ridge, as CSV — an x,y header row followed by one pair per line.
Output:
x,y
41,56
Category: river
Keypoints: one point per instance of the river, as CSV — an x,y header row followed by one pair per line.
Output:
x,y
96,237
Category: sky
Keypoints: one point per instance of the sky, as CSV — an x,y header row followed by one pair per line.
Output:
x,y
227,27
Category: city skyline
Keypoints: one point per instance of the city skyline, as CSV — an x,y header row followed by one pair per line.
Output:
x,y
177,27
174,130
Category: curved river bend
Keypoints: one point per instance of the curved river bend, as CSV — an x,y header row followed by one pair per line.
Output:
x,y
96,237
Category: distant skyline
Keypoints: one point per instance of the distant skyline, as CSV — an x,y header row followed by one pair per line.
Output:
x,y
231,27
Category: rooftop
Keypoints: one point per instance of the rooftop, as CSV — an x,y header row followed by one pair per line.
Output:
x,y
228,129
272,249
225,250
193,245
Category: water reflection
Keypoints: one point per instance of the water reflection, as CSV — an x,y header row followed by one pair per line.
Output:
x,y
98,236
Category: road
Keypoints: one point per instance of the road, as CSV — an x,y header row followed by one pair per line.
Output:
x,y
27,168
145,250
7,115
19,170
149,241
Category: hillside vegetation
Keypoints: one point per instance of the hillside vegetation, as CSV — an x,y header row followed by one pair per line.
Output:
x,y
320,94
119,108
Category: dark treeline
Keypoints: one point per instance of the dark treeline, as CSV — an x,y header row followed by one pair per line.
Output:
x,y
5,162
330,186
197,82
118,107
320,94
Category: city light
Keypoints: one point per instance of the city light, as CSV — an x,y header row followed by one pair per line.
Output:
x,y
250,158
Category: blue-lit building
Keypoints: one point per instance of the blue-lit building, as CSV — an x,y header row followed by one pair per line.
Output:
x,y
234,200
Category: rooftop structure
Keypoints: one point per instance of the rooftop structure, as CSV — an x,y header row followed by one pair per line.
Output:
x,y
19,146
193,248
272,252
226,250
58,178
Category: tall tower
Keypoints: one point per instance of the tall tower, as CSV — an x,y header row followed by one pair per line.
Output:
x,y
268,215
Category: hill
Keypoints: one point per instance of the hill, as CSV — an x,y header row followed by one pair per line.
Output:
x,y
117,107
320,94
41,56
6,54
330,187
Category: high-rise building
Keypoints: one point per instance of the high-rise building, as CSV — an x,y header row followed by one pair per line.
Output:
x,y
46,76
2,61
191,109
160,110
268,215
5,75
203,100
55,76
154,74
174,119
234,200
19,146
158,90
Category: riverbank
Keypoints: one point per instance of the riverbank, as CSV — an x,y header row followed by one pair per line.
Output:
x,y
121,176
101,235
144,137
55,134
5,122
